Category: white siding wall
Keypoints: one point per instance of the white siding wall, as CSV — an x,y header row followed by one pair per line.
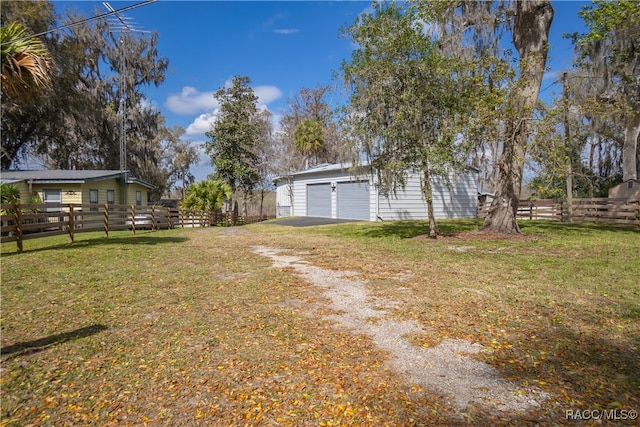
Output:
x,y
283,199
456,199
299,198
406,203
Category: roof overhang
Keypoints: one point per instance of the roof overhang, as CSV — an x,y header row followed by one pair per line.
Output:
x,y
67,177
141,182
326,168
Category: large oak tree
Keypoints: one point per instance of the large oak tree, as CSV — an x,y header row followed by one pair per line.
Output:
x,y
76,122
531,39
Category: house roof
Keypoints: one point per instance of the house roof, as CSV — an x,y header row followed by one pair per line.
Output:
x,y
59,176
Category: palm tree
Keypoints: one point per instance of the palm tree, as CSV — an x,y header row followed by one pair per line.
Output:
x,y
309,138
26,63
207,195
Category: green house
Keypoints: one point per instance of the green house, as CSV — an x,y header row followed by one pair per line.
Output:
x,y
79,186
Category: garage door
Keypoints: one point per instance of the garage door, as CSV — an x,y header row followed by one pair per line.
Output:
x,y
319,200
353,200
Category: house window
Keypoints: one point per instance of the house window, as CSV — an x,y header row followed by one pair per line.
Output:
x,y
111,197
630,185
93,199
53,196
138,198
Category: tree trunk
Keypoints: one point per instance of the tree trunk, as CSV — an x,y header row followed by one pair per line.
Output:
x,y
530,37
244,204
235,212
427,189
502,213
261,201
630,148
569,185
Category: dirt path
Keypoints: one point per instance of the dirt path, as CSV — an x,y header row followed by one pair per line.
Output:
x,y
447,368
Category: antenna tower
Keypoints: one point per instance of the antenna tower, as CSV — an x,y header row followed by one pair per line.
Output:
x,y
123,25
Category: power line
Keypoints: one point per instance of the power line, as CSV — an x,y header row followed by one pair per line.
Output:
x,y
561,80
82,21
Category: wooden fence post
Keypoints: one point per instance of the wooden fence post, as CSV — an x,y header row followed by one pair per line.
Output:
x,y
531,210
153,218
71,222
638,213
106,220
133,219
18,217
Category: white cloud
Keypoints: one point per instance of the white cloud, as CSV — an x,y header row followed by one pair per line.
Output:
x,y
276,120
146,103
190,98
202,124
274,19
552,75
267,94
286,31
190,101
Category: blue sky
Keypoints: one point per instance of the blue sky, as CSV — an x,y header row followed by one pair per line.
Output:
x,y
283,46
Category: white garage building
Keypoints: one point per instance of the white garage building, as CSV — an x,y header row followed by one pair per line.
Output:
x,y
330,191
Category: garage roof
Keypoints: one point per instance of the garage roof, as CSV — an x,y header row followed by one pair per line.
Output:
x,y
330,167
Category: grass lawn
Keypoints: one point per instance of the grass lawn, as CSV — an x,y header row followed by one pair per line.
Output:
x,y
192,327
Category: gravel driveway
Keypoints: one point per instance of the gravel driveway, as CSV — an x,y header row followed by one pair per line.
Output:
x,y
448,368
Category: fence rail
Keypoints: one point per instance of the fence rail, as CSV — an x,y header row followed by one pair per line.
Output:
x,y
22,222
598,210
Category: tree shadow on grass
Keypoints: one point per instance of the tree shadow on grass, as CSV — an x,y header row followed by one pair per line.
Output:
x,y
101,241
585,362
558,227
408,229
29,347
414,228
